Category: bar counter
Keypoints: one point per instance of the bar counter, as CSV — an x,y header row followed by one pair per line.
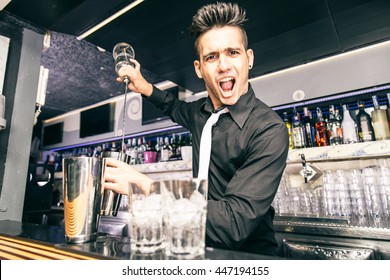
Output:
x,y
20,240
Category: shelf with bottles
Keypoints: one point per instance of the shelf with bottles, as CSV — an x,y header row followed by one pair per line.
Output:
x,y
143,148
359,116
321,185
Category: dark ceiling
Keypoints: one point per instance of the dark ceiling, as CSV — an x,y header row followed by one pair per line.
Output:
x,y
282,33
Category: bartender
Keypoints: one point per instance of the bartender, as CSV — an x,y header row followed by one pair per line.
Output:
x,y
249,141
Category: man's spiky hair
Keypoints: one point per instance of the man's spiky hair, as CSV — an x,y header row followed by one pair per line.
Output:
x,y
218,15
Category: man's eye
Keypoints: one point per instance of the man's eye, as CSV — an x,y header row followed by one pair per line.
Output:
x,y
234,53
211,57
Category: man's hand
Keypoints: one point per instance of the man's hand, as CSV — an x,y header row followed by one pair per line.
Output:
x,y
137,81
118,174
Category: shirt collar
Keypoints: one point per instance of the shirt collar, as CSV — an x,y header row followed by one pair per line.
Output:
x,y
239,111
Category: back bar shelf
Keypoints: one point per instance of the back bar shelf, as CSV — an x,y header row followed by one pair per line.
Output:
x,y
336,198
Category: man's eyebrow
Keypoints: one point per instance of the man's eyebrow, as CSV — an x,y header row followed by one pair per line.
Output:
x,y
209,53
227,49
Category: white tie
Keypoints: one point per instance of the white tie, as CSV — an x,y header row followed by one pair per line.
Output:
x,y
205,145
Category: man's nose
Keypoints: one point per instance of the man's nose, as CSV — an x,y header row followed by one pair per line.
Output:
x,y
224,63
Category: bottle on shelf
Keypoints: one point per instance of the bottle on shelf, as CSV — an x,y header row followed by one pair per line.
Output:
x,y
321,127
349,127
157,147
309,127
183,140
173,144
298,132
379,121
114,147
335,132
128,146
133,152
289,130
178,146
141,149
164,149
364,125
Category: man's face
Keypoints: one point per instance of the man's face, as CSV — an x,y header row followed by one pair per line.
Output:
x,y
223,64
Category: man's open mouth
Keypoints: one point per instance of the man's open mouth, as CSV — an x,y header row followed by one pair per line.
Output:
x,y
227,84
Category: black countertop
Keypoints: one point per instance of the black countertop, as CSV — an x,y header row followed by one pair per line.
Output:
x,y
106,246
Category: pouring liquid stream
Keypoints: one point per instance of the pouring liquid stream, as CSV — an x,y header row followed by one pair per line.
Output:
x,y
123,147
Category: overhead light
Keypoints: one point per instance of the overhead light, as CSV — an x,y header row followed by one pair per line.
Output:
x,y
109,19
4,3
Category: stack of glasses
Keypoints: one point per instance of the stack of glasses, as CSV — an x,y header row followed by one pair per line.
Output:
x,y
362,196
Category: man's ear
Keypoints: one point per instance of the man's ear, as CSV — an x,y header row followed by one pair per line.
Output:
x,y
197,69
251,56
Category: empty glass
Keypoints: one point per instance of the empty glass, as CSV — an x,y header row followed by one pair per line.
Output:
x,y
359,207
373,197
341,188
383,171
329,194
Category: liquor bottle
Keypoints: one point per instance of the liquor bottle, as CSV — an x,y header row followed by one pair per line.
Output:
x,y
164,150
298,133
363,121
335,132
158,149
349,127
173,144
141,150
339,118
379,121
128,146
178,146
114,147
183,140
289,130
321,133
133,152
309,127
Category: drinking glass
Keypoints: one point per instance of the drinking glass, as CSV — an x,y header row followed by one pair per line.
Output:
x,y
358,200
185,217
372,195
342,190
383,171
329,194
146,218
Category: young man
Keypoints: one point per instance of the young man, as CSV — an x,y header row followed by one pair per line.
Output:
x,y
249,142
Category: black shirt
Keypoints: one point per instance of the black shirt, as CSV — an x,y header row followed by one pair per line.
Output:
x,y
248,156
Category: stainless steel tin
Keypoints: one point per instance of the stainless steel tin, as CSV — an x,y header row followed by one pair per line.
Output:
x,y
111,200
82,189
